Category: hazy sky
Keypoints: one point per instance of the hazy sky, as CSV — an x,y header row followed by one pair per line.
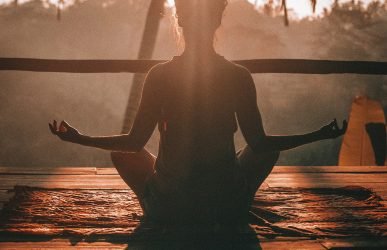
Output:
x,y
301,8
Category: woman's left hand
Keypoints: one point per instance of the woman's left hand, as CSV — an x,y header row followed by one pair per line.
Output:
x,y
332,130
65,132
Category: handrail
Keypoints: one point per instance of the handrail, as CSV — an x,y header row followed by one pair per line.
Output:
x,y
290,66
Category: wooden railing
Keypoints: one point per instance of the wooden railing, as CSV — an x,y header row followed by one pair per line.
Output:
x,y
291,66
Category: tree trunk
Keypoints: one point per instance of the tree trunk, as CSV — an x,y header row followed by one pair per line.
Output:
x,y
285,8
148,43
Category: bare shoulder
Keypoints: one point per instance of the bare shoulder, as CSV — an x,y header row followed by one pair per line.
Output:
x,y
242,77
239,71
244,85
157,75
158,70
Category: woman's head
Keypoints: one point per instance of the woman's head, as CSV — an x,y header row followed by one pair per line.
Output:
x,y
200,17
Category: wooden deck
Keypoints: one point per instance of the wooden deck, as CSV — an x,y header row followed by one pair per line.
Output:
x,y
107,178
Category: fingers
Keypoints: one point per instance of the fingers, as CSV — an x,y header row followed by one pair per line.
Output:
x,y
63,126
336,128
335,125
52,129
345,127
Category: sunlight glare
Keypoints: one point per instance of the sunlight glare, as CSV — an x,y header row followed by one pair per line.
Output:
x,y
297,8
303,8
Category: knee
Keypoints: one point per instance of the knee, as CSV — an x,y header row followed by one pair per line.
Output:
x,y
269,159
274,155
247,155
271,156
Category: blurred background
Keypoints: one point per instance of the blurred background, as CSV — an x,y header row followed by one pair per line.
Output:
x,y
112,29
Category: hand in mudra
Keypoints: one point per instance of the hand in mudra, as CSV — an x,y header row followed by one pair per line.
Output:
x,y
332,130
65,132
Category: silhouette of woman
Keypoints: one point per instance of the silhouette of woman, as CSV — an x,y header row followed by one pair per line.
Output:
x,y
197,99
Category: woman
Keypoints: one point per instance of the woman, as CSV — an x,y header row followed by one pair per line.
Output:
x,y
197,99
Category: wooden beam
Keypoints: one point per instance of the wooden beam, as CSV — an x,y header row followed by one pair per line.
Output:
x,y
289,66
147,47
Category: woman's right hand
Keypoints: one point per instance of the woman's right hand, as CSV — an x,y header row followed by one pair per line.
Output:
x,y
65,132
332,130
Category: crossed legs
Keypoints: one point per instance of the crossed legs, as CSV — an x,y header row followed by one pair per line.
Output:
x,y
135,168
256,167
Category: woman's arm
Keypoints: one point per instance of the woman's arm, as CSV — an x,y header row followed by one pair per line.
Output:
x,y
250,122
144,124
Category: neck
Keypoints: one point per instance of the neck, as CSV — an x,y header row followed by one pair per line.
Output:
x,y
201,48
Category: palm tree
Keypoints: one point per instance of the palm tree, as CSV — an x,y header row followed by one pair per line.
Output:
x,y
59,7
285,9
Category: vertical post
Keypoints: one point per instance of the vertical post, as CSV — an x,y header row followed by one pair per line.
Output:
x,y
59,7
314,3
285,8
148,43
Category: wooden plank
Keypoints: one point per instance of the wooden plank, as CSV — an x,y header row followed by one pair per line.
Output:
x,y
328,169
113,171
48,170
66,244
68,185
67,177
286,245
331,179
295,169
87,186
295,66
106,171
61,244
355,243
115,181
63,181
325,185
284,178
328,177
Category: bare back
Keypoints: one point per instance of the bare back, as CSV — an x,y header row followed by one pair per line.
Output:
x,y
197,121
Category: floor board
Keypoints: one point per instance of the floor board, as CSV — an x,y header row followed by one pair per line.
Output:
x,y
286,245
296,169
355,243
374,178
269,245
48,170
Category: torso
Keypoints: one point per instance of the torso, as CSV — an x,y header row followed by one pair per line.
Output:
x,y
196,153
